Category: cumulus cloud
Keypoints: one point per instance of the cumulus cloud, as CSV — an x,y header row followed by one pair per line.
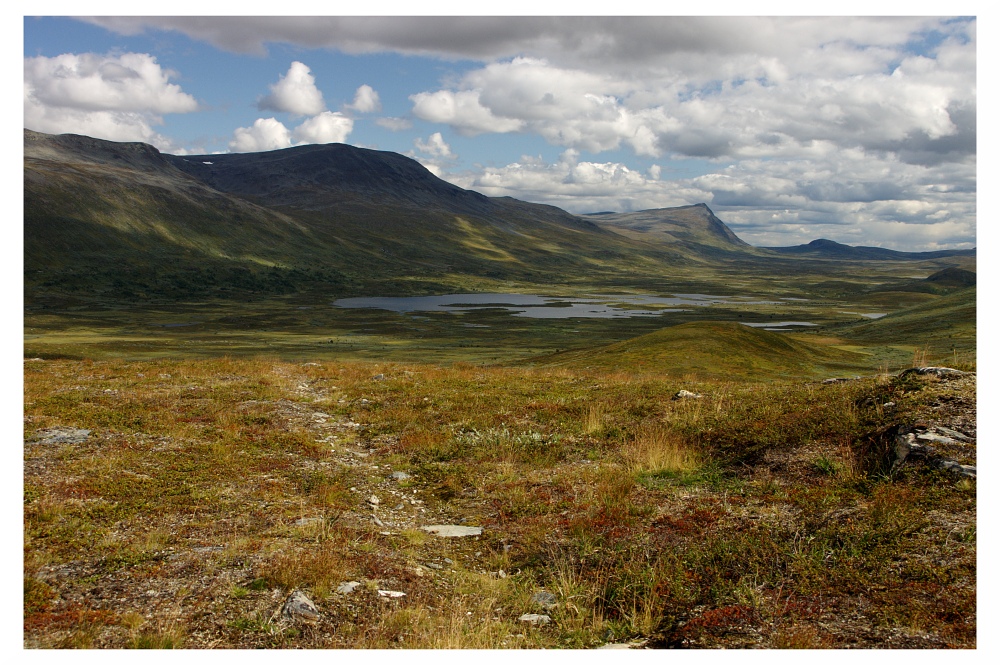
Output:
x,y
115,97
327,127
850,198
295,92
365,100
463,111
264,134
435,146
861,129
921,109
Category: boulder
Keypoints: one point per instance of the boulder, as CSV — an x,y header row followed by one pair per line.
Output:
x,y
298,607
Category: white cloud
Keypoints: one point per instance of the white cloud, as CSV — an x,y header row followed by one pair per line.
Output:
x,y
394,124
295,92
115,97
435,146
463,111
366,100
862,129
920,107
327,127
850,197
265,134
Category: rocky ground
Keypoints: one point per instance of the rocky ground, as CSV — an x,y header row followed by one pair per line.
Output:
x,y
138,537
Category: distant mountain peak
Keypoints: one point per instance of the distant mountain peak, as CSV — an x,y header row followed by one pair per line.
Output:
x,y
825,248
691,225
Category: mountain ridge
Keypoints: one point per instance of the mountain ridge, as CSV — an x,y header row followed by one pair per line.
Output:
x,y
825,248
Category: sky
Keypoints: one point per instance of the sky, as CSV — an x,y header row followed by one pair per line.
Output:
x,y
857,129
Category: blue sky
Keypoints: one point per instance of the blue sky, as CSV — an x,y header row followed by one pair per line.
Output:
x,y
858,129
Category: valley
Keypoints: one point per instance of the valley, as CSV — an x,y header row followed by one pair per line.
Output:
x,y
260,377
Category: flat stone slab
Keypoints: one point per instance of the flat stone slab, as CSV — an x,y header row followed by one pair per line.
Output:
x,y
535,619
452,530
386,593
624,645
56,435
348,587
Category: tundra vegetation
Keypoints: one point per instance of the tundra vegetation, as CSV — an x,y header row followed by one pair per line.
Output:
x,y
215,456
759,515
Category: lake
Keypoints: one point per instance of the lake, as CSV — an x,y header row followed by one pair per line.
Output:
x,y
549,307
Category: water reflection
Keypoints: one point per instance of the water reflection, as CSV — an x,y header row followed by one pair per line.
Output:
x,y
548,307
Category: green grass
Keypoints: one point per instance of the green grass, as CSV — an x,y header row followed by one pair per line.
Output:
x,y
943,327
755,516
715,350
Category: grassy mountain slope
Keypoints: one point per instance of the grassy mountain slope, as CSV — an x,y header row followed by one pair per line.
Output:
x,y
942,326
716,350
96,210
695,227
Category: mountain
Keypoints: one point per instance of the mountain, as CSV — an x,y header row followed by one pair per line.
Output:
x,y
112,216
693,226
953,277
823,248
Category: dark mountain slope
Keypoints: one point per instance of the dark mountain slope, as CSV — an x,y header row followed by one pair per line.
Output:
x,y
96,202
338,176
823,248
99,213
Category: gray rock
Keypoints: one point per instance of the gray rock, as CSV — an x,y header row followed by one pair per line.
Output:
x,y
535,619
544,599
385,593
348,587
931,437
452,530
400,476
307,521
637,644
299,607
940,372
958,436
378,377
686,394
911,446
57,435
953,466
